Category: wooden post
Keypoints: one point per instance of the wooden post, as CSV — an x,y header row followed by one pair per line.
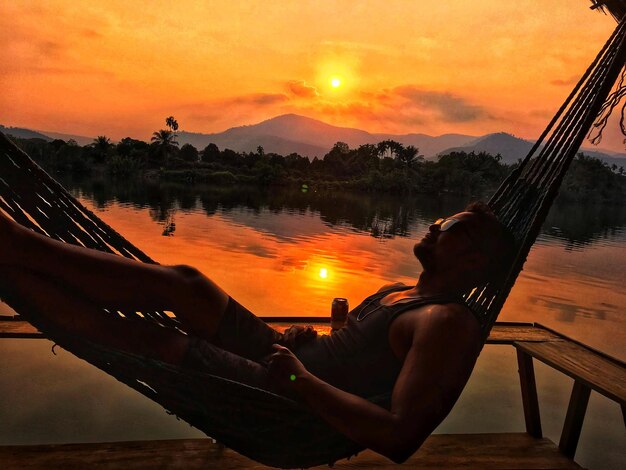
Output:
x,y
574,419
529,394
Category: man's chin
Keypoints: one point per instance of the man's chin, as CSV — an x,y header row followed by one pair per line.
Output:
x,y
423,254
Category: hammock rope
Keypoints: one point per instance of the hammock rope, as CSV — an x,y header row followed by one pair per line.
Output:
x,y
266,427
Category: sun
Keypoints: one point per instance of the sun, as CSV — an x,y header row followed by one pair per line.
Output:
x,y
335,82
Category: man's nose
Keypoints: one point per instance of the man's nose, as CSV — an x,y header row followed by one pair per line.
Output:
x,y
434,227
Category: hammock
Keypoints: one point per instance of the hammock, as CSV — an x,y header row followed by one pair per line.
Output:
x,y
266,427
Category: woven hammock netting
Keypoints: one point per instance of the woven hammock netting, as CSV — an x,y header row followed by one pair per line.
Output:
x,y
269,428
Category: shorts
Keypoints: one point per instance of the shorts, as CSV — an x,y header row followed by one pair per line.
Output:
x,y
238,350
243,333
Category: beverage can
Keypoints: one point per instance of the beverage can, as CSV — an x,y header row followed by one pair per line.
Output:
x,y
338,313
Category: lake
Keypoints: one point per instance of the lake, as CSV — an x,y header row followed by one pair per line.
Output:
x,y
288,252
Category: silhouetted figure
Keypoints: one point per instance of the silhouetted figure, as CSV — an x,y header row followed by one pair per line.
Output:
x,y
420,341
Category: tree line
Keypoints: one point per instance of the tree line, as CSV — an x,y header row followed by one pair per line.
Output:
x,y
387,166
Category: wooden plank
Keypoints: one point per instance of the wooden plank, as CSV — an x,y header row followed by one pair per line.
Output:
x,y
460,451
501,333
572,340
530,401
574,419
14,327
601,373
508,333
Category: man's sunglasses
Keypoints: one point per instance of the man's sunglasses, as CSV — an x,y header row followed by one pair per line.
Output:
x,y
446,224
449,222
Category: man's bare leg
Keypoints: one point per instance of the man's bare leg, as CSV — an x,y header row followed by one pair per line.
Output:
x,y
115,282
77,316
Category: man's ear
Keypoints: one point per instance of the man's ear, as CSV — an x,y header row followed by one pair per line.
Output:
x,y
477,261
476,268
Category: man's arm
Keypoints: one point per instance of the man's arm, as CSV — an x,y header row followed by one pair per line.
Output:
x,y
442,354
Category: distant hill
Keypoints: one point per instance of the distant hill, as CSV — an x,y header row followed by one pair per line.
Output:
x,y
310,137
80,139
22,133
513,148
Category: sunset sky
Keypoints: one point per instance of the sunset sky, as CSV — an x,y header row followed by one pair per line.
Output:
x,y
119,67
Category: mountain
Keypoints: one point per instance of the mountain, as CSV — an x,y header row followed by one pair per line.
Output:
x,y
310,137
510,147
80,139
513,148
22,133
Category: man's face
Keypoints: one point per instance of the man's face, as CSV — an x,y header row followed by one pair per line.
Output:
x,y
461,246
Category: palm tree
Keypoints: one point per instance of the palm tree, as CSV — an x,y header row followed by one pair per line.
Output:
x,y
101,146
409,156
171,123
389,148
164,142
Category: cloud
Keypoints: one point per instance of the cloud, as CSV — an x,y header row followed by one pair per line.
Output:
x,y
301,89
223,113
402,109
567,82
449,107
52,70
353,46
91,33
258,99
50,48
541,113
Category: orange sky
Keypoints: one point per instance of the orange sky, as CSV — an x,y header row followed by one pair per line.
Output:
x,y
119,67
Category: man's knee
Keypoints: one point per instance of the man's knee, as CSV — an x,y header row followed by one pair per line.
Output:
x,y
193,277
187,273
199,285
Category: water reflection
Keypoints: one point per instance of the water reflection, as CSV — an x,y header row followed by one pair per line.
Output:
x,y
284,252
382,216
580,225
569,311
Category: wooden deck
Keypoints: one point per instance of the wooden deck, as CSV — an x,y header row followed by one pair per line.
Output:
x,y
442,451
590,369
502,332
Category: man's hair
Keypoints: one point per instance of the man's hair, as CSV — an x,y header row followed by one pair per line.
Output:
x,y
502,253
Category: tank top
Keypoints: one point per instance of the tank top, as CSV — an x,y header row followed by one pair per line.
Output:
x,y
358,357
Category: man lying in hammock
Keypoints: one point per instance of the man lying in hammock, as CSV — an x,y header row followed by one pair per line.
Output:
x,y
424,356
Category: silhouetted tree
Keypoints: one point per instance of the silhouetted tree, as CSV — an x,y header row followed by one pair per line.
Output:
x,y
189,153
389,148
409,156
132,148
56,144
211,153
163,144
293,161
336,161
101,146
171,123
230,157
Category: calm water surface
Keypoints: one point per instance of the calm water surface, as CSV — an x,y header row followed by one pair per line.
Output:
x,y
289,253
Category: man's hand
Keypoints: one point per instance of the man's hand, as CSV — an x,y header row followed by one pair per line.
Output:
x,y
296,335
284,367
